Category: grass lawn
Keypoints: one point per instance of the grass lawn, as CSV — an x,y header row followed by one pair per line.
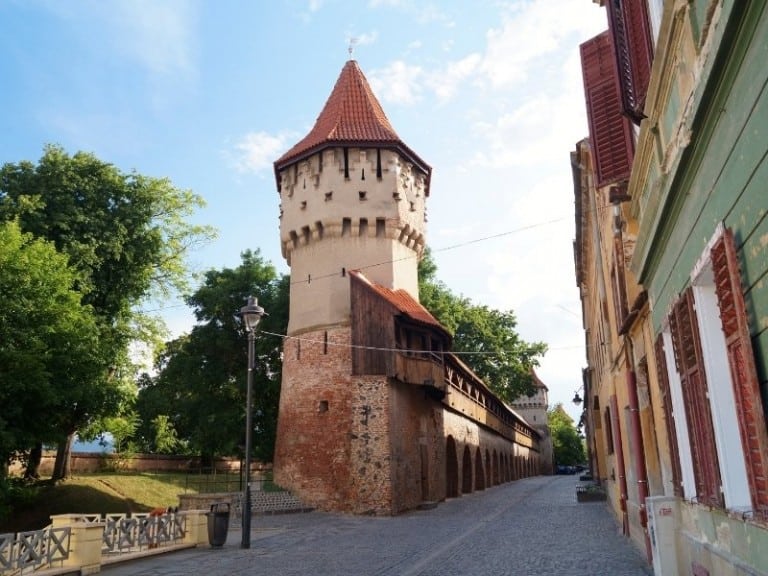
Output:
x,y
104,493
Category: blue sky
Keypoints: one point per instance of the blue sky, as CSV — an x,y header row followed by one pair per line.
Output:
x,y
210,94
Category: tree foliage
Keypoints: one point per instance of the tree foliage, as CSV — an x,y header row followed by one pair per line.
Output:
x,y
499,356
48,343
201,380
125,236
567,443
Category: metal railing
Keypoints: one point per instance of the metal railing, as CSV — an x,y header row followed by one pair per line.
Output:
x,y
122,534
33,549
131,533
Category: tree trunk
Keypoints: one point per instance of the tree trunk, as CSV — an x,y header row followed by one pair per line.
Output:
x,y
61,469
33,462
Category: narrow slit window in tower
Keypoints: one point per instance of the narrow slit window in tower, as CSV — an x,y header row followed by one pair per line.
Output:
x,y
381,228
362,174
320,230
325,342
363,227
306,233
346,163
346,226
320,161
294,237
378,163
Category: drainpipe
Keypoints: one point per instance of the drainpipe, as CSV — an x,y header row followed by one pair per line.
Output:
x,y
618,448
638,455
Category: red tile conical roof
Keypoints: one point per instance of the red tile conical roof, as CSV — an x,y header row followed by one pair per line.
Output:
x,y
351,116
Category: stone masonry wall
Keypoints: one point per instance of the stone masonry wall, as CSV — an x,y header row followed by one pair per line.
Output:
x,y
313,448
371,460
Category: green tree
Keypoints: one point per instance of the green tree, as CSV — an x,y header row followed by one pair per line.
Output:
x,y
48,342
566,441
498,355
201,380
126,237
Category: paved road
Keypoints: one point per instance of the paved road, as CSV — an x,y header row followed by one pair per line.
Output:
x,y
532,527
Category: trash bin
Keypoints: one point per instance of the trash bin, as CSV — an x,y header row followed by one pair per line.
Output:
x,y
218,524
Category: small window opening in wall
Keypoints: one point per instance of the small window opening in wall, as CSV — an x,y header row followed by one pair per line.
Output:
x,y
346,163
346,226
320,162
381,228
306,233
362,174
294,237
322,406
325,342
298,349
320,229
304,183
413,206
343,272
396,195
329,196
363,226
378,163
362,194
309,278
304,205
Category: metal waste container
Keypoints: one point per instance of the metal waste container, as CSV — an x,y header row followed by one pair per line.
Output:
x,y
218,524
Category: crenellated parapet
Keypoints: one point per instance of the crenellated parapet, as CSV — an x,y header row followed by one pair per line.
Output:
x,y
351,192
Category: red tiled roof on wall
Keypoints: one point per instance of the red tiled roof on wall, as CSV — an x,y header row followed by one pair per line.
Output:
x,y
403,301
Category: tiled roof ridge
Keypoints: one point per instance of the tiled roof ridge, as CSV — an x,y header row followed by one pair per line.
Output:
x,y
351,115
403,301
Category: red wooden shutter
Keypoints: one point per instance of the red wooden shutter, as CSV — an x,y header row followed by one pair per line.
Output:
x,y
674,452
746,386
688,357
631,31
610,133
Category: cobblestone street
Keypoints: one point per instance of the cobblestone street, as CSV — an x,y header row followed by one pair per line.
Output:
x,y
530,527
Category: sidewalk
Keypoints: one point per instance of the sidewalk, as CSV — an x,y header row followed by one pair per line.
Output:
x,y
530,527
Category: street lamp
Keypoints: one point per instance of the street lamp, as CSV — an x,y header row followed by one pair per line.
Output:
x,y
250,315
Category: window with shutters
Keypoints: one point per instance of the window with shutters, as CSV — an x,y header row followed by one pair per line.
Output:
x,y
687,352
714,362
630,29
610,133
608,430
742,398
619,286
669,422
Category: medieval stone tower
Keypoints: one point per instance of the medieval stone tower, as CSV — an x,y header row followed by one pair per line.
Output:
x,y
352,197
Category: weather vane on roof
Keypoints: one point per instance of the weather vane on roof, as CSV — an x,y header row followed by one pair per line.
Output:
x,y
351,49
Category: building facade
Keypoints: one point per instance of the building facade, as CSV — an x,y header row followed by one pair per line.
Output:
x,y
376,416
677,155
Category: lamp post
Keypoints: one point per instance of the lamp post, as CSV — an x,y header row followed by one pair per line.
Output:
x,y
250,315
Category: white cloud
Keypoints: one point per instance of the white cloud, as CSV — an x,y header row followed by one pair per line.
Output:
x,y
159,36
530,31
256,151
399,83
445,82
